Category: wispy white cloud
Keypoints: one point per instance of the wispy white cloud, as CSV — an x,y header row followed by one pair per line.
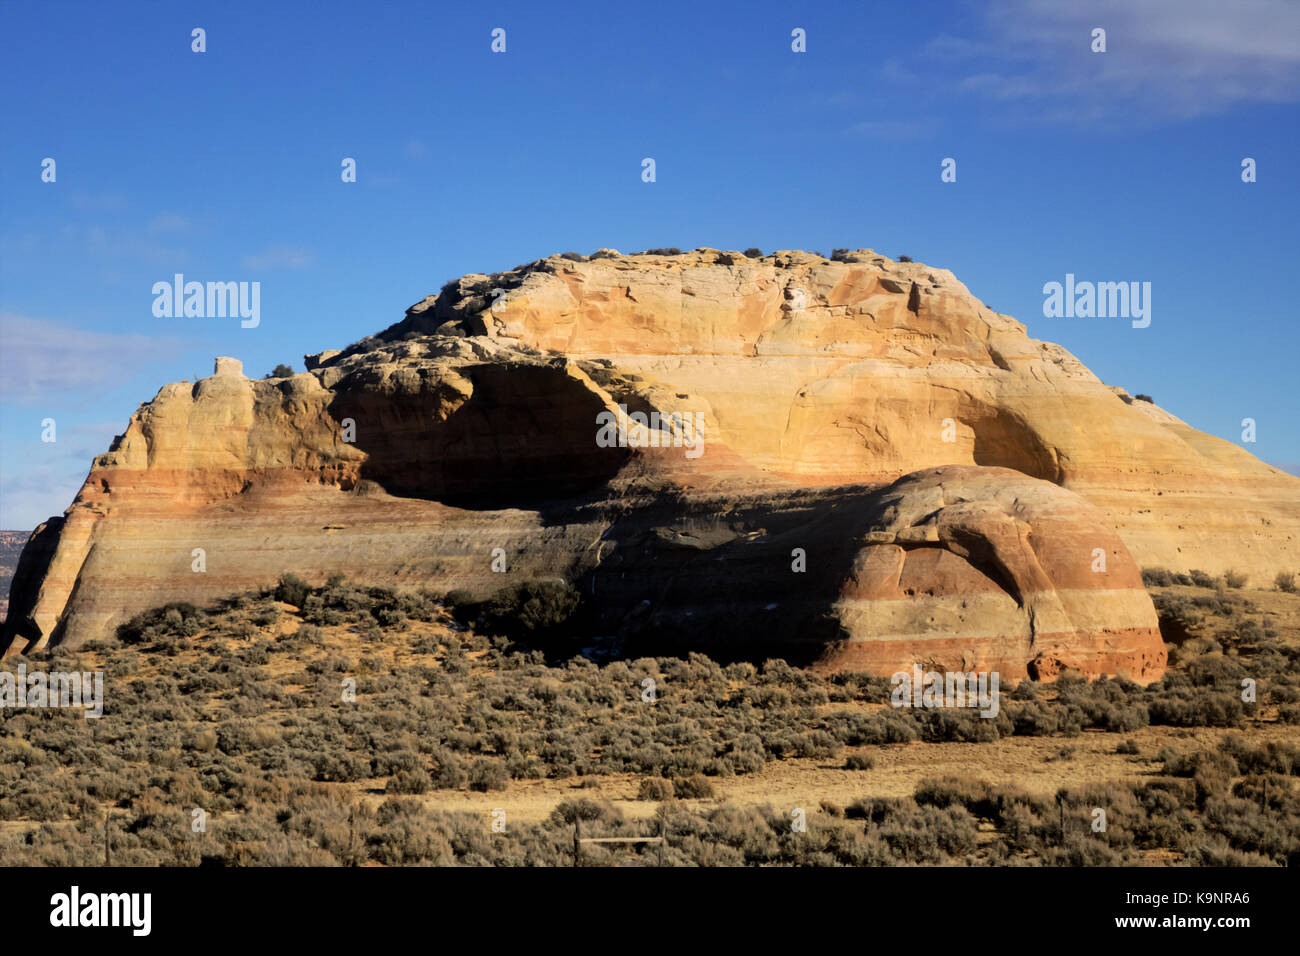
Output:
x,y
42,360
1164,59
103,243
52,472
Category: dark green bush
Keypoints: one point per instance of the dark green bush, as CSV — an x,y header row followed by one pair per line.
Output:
x,y
176,619
292,589
533,608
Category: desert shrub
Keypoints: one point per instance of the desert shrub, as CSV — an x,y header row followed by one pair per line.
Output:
x,y
462,604
280,371
832,808
975,796
173,620
1270,757
583,808
315,611
1144,398
669,251
655,788
1199,708
1034,719
817,743
949,724
1285,581
573,256
859,762
904,258
694,787
1250,829
1235,579
753,253
408,781
893,727
212,728
450,772
1216,852
292,589
1123,719
338,768
308,634
1157,578
929,834
1128,747
266,616
1203,579
487,774
533,608
393,617
1026,690
1214,669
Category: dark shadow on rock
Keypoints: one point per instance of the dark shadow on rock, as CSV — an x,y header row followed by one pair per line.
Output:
x,y
33,563
524,438
675,578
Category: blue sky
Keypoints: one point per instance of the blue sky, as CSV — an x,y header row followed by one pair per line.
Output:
x,y
224,165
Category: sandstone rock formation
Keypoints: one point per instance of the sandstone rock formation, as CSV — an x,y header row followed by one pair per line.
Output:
x,y
471,425
839,372
987,569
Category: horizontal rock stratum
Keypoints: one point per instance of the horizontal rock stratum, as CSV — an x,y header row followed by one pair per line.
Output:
x,y
986,569
670,434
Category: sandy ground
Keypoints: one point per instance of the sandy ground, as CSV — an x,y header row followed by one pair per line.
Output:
x,y
1032,764
1037,765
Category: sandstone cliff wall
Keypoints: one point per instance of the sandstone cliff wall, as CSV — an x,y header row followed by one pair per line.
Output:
x,y
470,426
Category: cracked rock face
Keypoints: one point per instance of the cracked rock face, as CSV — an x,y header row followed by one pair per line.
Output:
x,y
473,424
